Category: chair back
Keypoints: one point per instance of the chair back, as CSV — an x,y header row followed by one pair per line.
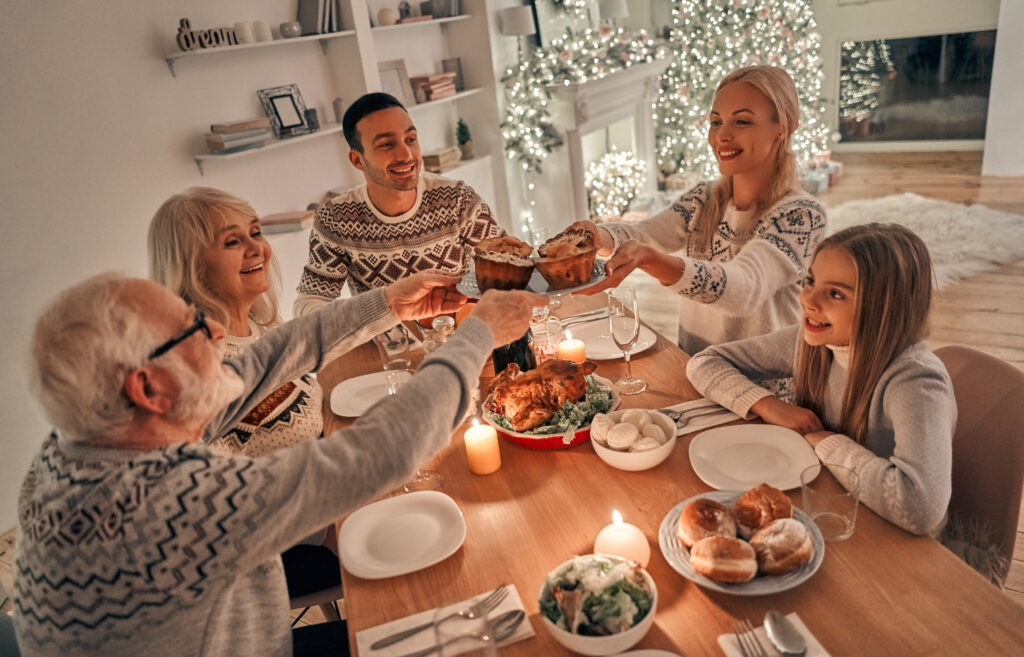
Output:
x,y
988,446
8,643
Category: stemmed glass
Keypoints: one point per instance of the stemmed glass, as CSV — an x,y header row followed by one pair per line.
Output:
x,y
423,479
393,346
624,323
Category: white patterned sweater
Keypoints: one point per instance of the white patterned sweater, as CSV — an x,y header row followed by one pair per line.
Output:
x,y
905,464
175,551
353,241
738,290
288,416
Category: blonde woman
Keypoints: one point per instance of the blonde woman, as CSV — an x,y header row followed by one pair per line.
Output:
x,y
870,395
206,246
744,241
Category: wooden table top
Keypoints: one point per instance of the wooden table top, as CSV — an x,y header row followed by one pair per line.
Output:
x,y
881,592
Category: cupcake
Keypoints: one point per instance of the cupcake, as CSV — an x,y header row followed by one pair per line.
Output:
x,y
567,260
502,263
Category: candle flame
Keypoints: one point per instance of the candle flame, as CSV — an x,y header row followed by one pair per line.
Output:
x,y
476,422
616,517
568,336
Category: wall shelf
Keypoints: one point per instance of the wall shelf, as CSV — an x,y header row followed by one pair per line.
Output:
x,y
436,21
172,57
449,99
325,129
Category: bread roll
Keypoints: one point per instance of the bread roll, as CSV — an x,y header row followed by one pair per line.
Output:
x,y
724,559
638,417
702,518
643,444
782,546
599,427
759,507
622,436
652,430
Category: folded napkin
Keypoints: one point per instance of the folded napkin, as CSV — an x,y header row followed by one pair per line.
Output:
x,y
700,406
426,639
731,647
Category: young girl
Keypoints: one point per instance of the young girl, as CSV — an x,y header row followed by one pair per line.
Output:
x,y
745,240
861,372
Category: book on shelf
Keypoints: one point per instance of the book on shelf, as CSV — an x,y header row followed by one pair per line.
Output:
x,y
425,87
442,157
285,222
432,78
237,148
240,126
441,168
220,140
440,92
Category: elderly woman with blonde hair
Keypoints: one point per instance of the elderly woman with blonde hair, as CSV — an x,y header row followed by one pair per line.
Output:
x,y
736,249
207,246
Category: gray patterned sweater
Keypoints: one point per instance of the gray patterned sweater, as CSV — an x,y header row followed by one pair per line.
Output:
x,y
905,464
737,291
352,240
174,551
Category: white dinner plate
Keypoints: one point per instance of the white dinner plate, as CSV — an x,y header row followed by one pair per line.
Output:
x,y
400,535
741,457
597,337
468,285
678,556
647,653
352,397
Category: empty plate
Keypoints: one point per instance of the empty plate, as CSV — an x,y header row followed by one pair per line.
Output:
x,y
598,340
400,535
741,457
352,397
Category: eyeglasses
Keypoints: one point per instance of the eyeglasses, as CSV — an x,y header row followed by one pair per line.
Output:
x,y
198,325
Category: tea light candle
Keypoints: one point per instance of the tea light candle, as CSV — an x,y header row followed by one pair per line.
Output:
x,y
624,540
572,349
482,448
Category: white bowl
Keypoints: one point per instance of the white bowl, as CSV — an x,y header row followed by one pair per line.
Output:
x,y
635,461
601,645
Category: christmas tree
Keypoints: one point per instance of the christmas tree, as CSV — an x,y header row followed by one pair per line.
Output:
x,y
863,65
711,38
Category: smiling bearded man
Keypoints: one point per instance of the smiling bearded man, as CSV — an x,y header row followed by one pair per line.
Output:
x,y
402,220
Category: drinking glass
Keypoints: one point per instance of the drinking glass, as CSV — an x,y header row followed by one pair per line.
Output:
x,y
831,504
423,479
624,324
462,635
394,345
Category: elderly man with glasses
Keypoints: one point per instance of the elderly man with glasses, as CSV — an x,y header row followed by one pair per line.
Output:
x,y
135,538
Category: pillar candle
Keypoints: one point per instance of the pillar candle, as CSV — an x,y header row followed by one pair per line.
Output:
x,y
572,349
262,31
243,30
624,540
482,448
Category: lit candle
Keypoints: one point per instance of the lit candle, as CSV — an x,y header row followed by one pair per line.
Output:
x,y
572,349
624,540
482,448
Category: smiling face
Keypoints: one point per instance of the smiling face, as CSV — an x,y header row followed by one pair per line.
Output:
x,y
391,152
744,132
237,264
829,298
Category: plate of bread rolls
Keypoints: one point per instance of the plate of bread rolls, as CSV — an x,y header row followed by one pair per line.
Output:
x,y
744,543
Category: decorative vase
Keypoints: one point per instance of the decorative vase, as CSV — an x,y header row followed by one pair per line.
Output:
x,y
262,31
291,29
387,16
467,150
243,30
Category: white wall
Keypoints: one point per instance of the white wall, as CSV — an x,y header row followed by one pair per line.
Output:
x,y
1004,133
97,134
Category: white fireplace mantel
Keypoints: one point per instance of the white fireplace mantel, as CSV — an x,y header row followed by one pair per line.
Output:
x,y
581,108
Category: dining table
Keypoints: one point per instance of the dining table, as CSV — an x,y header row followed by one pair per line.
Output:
x,y
883,591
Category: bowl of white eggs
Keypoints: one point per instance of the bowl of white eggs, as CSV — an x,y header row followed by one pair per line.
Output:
x,y
633,439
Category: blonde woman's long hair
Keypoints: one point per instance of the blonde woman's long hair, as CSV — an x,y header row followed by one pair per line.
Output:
x,y
178,232
776,84
892,301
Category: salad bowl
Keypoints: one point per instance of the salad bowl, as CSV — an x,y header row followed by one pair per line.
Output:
x,y
609,644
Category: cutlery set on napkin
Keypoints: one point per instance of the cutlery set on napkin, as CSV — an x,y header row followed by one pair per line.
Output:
x,y
698,414
730,645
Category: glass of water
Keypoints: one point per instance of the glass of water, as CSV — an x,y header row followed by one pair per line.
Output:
x,y
423,479
624,324
831,501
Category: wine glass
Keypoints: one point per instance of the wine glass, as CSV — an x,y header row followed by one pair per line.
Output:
x,y
624,324
423,479
394,345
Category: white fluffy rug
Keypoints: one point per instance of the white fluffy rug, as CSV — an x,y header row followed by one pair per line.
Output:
x,y
962,239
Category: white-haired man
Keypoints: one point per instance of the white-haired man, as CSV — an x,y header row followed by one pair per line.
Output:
x,y
134,537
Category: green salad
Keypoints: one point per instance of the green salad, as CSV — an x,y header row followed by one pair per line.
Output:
x,y
596,596
598,399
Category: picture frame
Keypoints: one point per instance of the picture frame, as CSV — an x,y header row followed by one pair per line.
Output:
x,y
395,80
454,65
286,110
552,24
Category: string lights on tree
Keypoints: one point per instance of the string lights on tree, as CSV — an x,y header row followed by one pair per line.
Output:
x,y
863,65
710,38
613,182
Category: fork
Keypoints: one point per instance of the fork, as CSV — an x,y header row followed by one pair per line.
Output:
x,y
749,644
478,608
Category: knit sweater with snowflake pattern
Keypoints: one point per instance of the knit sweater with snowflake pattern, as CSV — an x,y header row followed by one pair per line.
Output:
x,y
351,240
738,290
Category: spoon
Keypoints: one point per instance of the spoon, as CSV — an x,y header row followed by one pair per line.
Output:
x,y
503,627
784,634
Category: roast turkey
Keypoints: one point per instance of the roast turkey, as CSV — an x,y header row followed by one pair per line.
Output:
x,y
529,399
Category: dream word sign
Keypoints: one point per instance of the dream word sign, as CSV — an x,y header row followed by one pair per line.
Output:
x,y
218,36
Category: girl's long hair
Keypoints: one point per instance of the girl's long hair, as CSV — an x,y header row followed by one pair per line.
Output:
x,y
892,301
178,232
779,88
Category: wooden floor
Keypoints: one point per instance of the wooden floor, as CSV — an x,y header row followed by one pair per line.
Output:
x,y
985,311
